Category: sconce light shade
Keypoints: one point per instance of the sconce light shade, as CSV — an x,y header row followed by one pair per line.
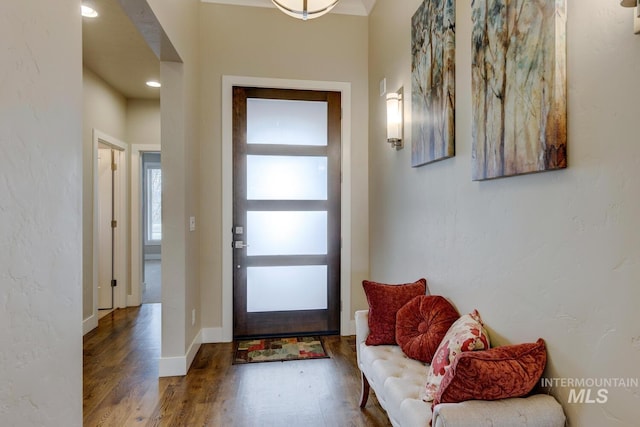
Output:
x,y
394,119
305,9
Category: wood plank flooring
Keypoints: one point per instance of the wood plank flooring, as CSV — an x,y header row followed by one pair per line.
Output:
x,y
122,388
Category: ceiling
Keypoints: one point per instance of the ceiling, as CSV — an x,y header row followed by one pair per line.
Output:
x,y
113,48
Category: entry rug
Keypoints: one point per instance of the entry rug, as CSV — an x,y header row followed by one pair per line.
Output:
x,y
279,350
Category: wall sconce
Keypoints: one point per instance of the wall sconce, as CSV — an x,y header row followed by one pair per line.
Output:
x,y
636,19
395,119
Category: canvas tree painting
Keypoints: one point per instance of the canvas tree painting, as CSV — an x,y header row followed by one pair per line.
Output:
x,y
433,81
519,87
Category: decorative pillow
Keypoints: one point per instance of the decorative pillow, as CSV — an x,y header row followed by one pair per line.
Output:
x,y
499,373
384,302
422,323
466,334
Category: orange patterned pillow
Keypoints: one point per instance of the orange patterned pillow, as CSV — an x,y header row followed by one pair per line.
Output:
x,y
422,323
499,373
384,302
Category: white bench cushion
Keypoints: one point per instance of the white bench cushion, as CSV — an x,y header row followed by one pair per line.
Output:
x,y
399,382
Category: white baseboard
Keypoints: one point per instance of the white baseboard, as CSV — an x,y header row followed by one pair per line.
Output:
x,y
89,324
179,366
193,349
212,335
172,366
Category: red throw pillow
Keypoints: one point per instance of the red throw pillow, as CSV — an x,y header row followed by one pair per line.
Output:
x,y
499,373
422,323
384,302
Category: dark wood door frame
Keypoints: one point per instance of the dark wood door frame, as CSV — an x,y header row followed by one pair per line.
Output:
x,y
308,321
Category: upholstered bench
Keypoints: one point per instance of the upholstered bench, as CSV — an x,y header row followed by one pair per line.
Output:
x,y
399,382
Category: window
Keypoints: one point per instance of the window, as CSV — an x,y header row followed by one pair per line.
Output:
x,y
153,202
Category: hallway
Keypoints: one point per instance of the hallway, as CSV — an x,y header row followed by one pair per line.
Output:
x,y
152,285
121,385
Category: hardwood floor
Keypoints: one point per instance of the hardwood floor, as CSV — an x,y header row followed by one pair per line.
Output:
x,y
121,385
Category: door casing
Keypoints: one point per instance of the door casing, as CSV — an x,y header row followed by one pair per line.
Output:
x,y
300,321
346,325
121,248
137,261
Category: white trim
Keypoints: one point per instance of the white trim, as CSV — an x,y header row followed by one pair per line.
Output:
x,y
135,298
227,190
89,324
172,367
212,335
120,295
179,366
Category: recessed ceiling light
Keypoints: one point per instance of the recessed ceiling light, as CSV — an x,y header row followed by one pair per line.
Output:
x,y
88,11
153,83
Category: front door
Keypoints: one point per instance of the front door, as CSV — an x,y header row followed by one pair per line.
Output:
x,y
286,212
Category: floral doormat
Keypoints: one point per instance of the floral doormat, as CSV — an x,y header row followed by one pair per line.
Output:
x,y
279,350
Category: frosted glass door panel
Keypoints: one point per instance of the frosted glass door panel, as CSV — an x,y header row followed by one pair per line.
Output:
x,y
286,233
286,288
286,178
276,121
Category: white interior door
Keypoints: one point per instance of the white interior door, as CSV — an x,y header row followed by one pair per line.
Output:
x,y
105,236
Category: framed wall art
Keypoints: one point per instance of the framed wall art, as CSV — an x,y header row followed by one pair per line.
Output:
x,y
519,87
433,82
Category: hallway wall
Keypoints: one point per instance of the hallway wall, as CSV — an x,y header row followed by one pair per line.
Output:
x,y
180,167
40,214
104,109
143,121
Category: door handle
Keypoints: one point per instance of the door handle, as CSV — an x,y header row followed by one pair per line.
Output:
x,y
239,244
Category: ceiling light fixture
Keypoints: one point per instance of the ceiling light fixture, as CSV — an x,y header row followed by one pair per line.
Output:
x,y
305,9
88,11
154,83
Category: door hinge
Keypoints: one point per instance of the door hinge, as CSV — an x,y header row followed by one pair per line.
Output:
x,y
114,223
114,283
114,167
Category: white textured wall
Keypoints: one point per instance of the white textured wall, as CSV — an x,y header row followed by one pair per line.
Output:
x,y
40,214
180,165
265,43
104,109
554,255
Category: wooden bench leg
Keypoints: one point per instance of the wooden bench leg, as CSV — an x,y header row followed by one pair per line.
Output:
x,y
364,396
